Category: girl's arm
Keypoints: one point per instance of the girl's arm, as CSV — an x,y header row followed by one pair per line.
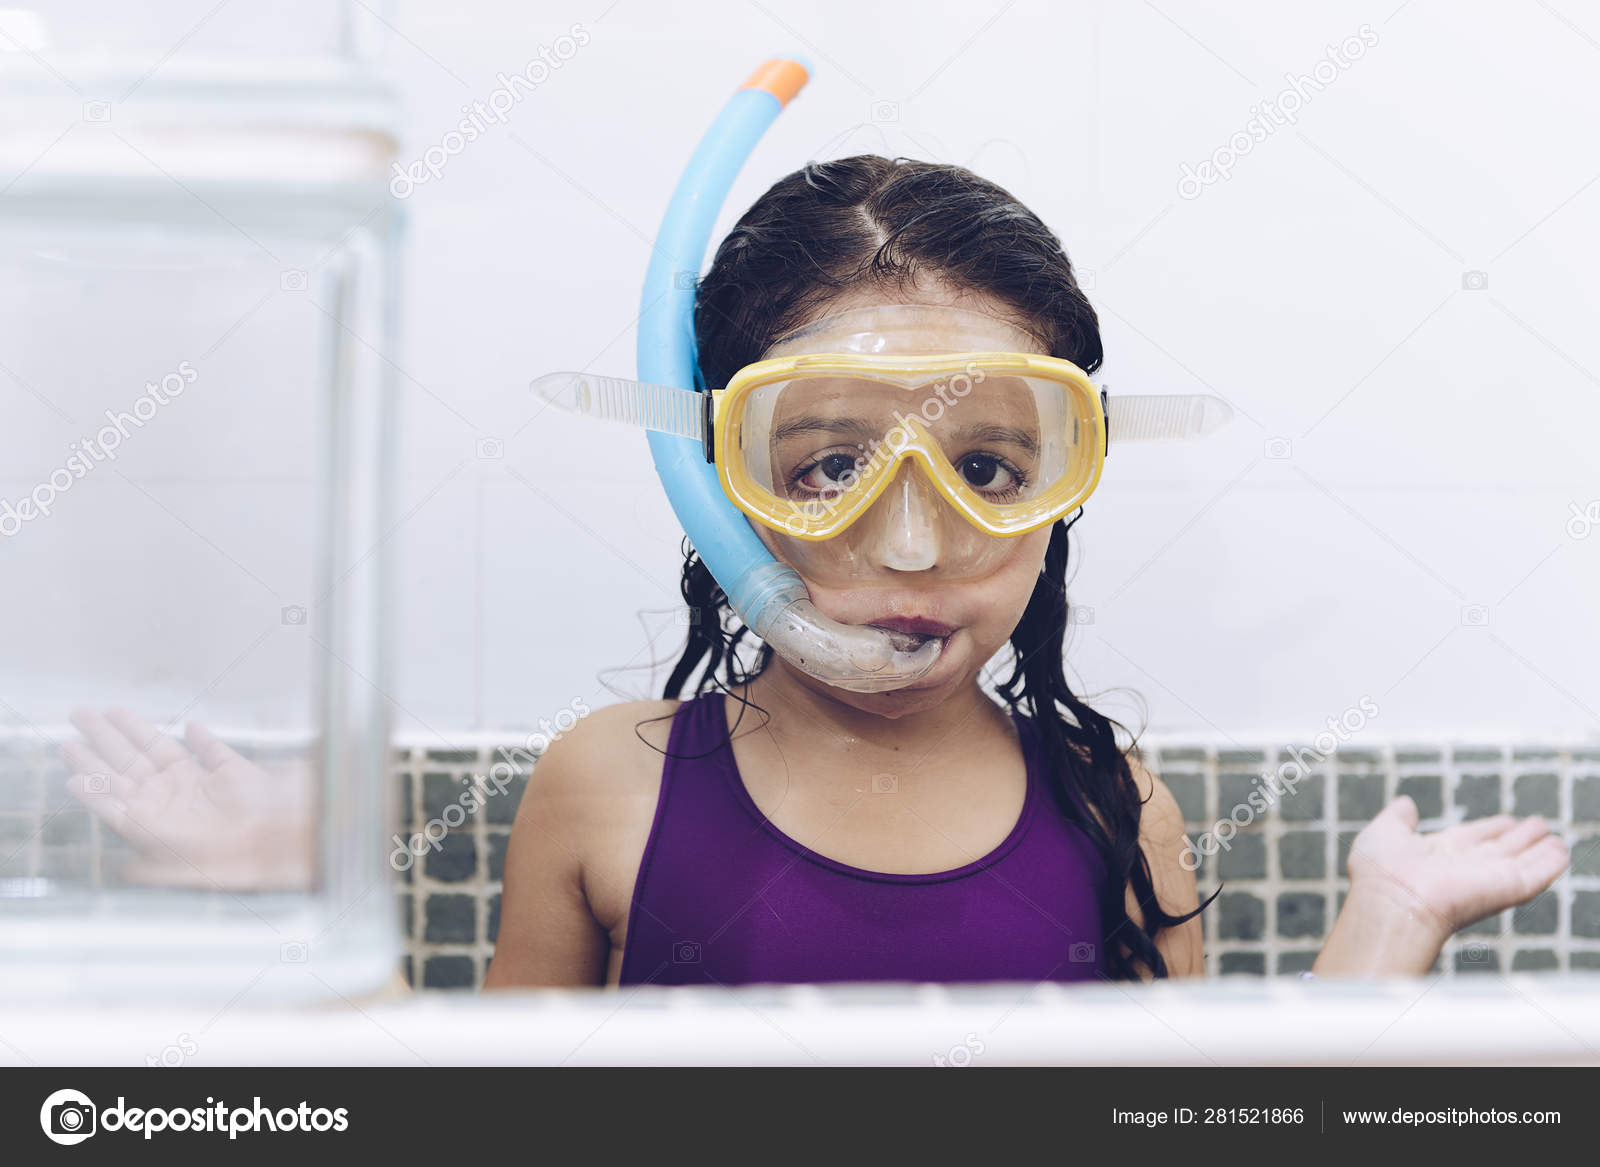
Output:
x,y
1164,844
548,935
1409,893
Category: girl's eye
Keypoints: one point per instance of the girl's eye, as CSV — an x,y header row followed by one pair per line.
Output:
x,y
829,473
989,474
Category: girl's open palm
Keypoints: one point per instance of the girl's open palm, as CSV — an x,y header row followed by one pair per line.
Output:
x,y
1457,876
202,816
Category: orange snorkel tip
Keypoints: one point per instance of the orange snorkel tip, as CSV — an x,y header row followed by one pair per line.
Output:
x,y
783,77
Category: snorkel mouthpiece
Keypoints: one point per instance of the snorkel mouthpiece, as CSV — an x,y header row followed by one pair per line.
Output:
x,y
859,658
768,596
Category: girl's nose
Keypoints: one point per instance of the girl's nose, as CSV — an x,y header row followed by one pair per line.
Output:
x,y
907,535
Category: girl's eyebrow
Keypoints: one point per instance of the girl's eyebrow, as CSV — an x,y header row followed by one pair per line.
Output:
x,y
829,425
1004,434
856,427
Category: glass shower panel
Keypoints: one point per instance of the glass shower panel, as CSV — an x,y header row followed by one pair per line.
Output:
x,y
196,289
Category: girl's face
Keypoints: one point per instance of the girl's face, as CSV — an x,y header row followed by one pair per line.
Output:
x,y
911,562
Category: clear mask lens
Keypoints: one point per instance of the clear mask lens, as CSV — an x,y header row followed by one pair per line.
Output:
x,y
814,444
909,530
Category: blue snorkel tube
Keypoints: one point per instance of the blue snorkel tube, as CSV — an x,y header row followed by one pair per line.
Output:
x,y
768,596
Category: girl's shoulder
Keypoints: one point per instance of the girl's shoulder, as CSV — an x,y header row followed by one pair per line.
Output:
x,y
615,745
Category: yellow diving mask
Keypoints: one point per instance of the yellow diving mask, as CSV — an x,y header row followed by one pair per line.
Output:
x,y
808,438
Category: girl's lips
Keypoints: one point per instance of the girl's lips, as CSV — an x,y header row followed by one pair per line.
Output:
x,y
914,626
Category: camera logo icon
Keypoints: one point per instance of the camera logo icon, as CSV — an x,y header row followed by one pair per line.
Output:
x,y
1278,449
686,952
1475,953
683,281
97,111
292,952
1475,616
886,111
885,784
1475,281
490,449
1082,615
294,614
97,783
1081,953
293,280
1086,278
67,1117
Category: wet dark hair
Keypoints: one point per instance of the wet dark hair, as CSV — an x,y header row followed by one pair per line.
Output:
x,y
870,222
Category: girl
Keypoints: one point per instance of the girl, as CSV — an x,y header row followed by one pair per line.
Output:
x,y
774,828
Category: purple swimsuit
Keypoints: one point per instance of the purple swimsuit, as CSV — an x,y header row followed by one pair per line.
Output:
x,y
724,897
